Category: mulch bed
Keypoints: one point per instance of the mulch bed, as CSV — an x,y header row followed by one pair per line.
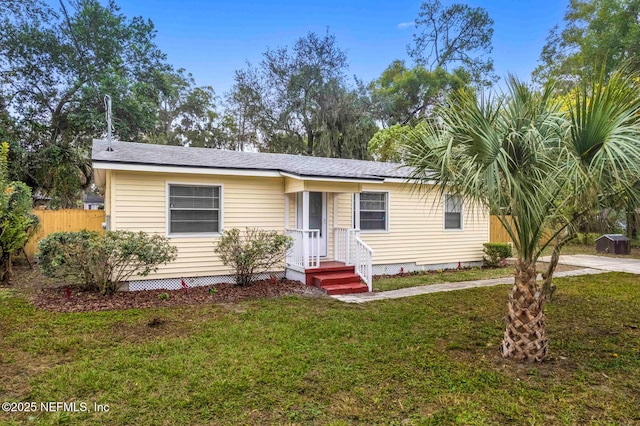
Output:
x,y
74,299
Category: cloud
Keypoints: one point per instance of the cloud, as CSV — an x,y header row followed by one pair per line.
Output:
x,y
403,25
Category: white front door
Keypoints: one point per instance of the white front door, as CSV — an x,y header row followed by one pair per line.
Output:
x,y
317,214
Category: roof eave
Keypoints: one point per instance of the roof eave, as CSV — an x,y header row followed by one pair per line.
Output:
x,y
168,168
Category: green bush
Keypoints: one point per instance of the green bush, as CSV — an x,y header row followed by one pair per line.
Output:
x,y
68,256
17,224
496,254
251,253
102,262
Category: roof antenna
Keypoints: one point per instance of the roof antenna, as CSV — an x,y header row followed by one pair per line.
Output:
x,y
107,107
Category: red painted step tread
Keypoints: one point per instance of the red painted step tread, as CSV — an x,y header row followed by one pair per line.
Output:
x,y
332,289
337,275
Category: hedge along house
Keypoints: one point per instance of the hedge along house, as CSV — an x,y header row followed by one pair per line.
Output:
x,y
349,219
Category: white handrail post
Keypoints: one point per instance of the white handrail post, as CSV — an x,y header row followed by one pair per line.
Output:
x,y
369,272
305,249
336,245
347,254
358,260
305,228
317,258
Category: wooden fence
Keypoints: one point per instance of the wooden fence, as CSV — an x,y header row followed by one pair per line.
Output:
x,y
497,233
64,220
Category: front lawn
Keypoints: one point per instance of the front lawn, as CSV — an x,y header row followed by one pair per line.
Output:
x,y
429,359
436,277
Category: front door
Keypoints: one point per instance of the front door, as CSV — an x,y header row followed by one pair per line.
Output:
x,y
317,211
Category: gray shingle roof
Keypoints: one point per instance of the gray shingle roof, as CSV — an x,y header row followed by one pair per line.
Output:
x,y
613,237
92,199
164,155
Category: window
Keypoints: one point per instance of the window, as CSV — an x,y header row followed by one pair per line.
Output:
x,y
194,209
373,211
452,212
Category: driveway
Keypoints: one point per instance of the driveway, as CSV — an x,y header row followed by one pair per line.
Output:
x,y
612,264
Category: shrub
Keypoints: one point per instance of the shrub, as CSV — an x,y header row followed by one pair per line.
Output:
x,y
496,254
102,262
252,252
17,224
68,256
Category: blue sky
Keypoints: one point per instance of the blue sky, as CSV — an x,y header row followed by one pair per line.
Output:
x,y
211,39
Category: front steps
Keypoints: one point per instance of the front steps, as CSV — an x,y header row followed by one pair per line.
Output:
x,y
335,278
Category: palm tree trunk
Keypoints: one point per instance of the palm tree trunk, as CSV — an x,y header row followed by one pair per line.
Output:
x,y
525,339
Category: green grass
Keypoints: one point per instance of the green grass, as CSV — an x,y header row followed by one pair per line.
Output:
x,y
437,277
429,359
591,249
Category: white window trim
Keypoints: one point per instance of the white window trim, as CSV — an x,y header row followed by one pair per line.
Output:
x,y
444,214
197,234
388,213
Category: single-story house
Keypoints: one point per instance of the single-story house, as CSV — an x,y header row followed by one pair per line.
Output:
x,y
92,201
348,218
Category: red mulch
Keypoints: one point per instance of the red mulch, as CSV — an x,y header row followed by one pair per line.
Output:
x,y
55,299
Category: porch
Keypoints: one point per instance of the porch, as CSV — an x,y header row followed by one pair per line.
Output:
x,y
327,252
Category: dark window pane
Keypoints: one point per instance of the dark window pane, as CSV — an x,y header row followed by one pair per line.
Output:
x,y
453,204
373,210
372,196
452,221
373,220
194,209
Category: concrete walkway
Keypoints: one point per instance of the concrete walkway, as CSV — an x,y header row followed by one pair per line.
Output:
x,y
436,288
611,264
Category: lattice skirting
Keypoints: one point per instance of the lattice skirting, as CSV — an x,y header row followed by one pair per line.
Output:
x,y
397,268
176,283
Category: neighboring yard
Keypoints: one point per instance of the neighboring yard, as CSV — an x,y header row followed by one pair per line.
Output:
x,y
419,360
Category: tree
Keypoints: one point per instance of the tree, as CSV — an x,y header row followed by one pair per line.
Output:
x,y
186,114
388,144
55,68
298,101
523,156
244,113
404,96
16,221
604,32
453,37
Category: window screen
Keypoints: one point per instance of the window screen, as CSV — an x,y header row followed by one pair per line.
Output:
x,y
194,209
452,212
373,211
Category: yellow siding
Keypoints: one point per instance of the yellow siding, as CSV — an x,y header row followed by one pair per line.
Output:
x,y
345,215
112,207
107,193
247,202
292,211
298,185
330,225
324,186
293,185
416,230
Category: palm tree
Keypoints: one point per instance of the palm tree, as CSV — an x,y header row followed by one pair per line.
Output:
x,y
540,166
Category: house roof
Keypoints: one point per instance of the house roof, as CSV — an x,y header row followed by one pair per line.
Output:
x,y
92,199
130,153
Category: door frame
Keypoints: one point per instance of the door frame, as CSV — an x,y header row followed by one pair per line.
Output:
x,y
324,240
